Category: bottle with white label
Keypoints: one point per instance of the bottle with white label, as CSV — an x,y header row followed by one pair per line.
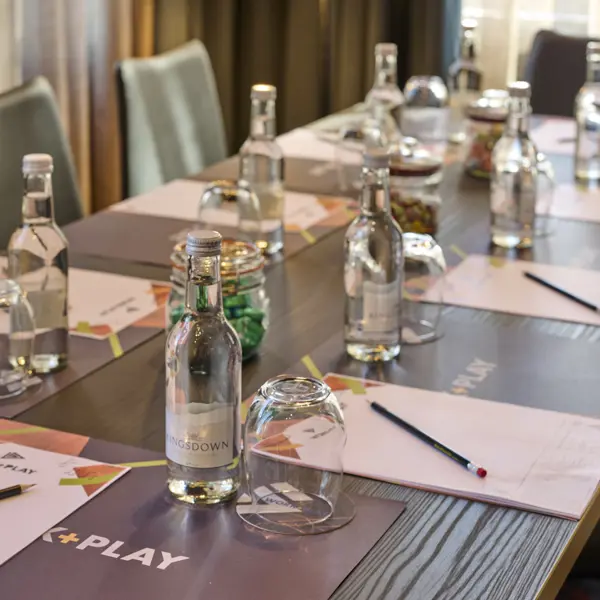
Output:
x,y
38,262
373,269
203,385
514,175
587,114
261,168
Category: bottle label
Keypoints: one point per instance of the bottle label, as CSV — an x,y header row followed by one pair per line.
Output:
x,y
382,308
514,198
588,144
201,436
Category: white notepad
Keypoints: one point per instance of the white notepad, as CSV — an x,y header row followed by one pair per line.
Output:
x,y
59,491
489,283
537,460
555,136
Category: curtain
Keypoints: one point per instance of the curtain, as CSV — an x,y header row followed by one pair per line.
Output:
x,y
319,54
75,44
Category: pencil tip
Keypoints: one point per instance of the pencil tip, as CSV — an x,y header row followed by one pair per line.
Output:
x,y
28,486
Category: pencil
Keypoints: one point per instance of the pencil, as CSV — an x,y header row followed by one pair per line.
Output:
x,y
560,291
15,490
461,460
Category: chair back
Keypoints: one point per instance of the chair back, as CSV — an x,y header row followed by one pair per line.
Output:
x,y
30,123
556,69
170,117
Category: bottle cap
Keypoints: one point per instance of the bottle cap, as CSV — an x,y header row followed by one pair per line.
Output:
x,y
519,89
263,91
386,49
203,242
376,158
469,24
37,163
593,48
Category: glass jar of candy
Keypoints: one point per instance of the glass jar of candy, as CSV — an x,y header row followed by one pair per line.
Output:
x,y
245,301
486,118
414,198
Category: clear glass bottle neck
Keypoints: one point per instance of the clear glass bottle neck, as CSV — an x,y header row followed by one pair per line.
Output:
x,y
517,121
386,69
203,292
38,206
262,120
467,46
593,69
375,193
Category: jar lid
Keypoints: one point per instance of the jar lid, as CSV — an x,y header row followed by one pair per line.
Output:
x,y
408,160
492,107
239,258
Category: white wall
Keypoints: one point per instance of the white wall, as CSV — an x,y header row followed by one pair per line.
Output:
x,y
507,28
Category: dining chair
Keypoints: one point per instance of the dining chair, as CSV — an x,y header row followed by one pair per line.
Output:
x,y
30,123
170,117
556,69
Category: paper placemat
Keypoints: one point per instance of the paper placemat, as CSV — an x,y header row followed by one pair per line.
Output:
x,y
555,136
312,145
134,541
536,460
62,485
109,315
490,283
504,364
179,199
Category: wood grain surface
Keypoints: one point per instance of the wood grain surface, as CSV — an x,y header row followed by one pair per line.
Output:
x,y
442,547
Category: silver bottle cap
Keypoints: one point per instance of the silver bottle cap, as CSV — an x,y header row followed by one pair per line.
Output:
x,y
263,92
37,164
376,158
519,89
203,242
386,49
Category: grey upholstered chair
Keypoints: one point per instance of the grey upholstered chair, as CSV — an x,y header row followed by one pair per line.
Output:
x,y
171,120
30,122
556,69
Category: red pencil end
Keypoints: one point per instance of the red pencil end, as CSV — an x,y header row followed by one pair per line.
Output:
x,y
481,472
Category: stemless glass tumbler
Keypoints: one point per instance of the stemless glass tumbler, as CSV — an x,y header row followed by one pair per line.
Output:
x,y
225,203
424,270
16,321
294,439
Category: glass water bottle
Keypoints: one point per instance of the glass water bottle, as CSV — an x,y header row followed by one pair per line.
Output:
x,y
587,114
38,262
514,175
373,269
203,385
385,99
261,167
464,79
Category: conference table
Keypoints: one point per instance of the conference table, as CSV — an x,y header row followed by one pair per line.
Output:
x,y
441,547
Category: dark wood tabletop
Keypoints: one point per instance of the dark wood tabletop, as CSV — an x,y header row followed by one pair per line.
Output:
x,y
442,547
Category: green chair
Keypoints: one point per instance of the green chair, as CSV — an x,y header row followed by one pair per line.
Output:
x,y
170,117
30,123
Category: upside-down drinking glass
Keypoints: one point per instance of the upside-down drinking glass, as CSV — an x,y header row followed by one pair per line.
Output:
x,y
225,203
16,350
424,269
294,439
